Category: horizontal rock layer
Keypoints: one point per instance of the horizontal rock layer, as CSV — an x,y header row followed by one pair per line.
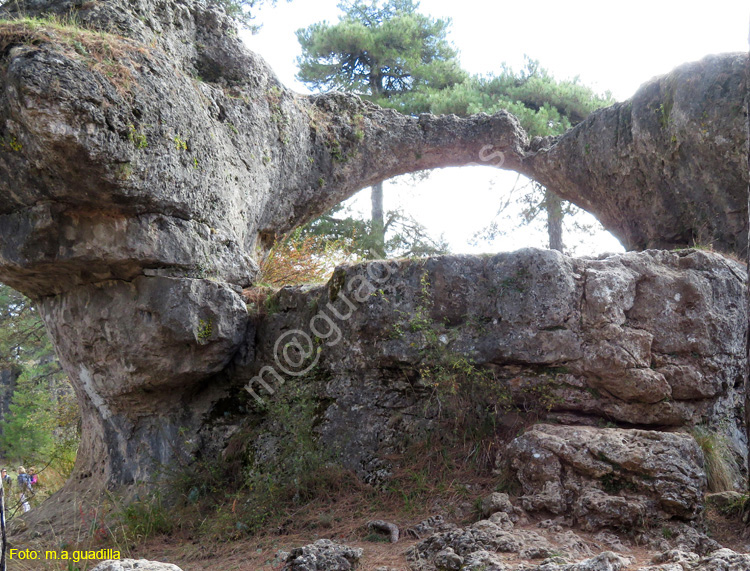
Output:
x,y
581,341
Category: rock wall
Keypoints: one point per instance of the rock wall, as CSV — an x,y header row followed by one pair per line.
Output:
x,y
135,190
626,354
666,168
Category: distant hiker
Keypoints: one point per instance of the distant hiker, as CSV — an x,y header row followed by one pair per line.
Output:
x,y
7,483
24,487
33,476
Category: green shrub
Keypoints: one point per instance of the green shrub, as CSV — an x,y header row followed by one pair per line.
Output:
x,y
143,519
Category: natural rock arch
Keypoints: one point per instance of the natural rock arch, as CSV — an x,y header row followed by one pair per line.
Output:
x,y
140,173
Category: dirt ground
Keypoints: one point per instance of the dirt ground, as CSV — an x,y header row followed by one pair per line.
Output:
x,y
343,520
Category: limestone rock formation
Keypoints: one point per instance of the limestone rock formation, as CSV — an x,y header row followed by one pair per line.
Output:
x,y
722,559
578,341
667,167
605,477
141,166
140,169
323,555
493,543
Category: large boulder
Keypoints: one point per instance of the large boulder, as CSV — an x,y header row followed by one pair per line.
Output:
x,y
609,477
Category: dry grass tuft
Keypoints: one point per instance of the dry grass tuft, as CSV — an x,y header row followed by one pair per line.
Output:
x,y
110,55
721,469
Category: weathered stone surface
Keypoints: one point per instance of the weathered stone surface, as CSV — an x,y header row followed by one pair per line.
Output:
x,y
135,565
667,167
174,163
132,201
486,545
446,549
606,561
483,561
184,161
132,348
531,318
386,527
720,560
497,502
323,555
606,477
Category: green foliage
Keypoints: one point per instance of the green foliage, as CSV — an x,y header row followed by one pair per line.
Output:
x,y
138,139
468,397
205,329
244,494
405,237
472,402
378,50
145,518
41,426
292,472
544,105
180,143
10,143
733,507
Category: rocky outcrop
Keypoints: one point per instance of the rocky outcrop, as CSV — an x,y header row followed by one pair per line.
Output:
x,y
142,167
496,544
722,559
186,152
666,168
605,477
577,341
170,334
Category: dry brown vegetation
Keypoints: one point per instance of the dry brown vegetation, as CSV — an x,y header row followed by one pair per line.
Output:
x,y
114,57
302,260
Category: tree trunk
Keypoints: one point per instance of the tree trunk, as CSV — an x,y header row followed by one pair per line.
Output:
x,y
553,205
377,232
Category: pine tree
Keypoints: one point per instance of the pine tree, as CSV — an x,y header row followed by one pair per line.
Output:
x,y
243,11
381,50
43,413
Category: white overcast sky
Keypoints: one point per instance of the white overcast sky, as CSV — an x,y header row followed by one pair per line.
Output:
x,y
613,46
